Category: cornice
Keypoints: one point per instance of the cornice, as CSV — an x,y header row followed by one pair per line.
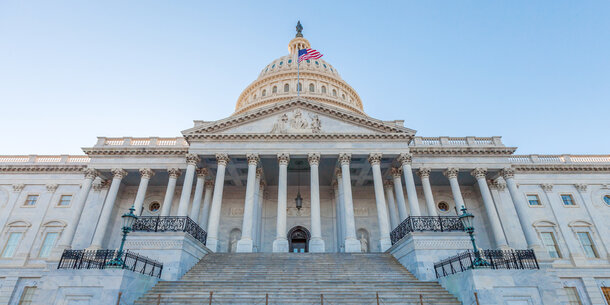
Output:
x,y
42,168
301,137
104,151
467,150
524,168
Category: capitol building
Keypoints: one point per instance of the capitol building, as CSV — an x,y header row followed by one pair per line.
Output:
x,y
300,197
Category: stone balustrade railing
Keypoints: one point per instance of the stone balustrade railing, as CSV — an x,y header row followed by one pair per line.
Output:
x,y
44,159
457,141
559,159
141,142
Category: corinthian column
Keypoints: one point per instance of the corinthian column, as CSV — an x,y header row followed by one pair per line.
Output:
x,y
214,220
146,174
521,208
207,200
407,171
389,195
382,213
424,174
196,207
102,225
280,244
351,243
187,186
174,173
65,242
257,209
341,215
451,173
245,244
400,197
316,243
490,208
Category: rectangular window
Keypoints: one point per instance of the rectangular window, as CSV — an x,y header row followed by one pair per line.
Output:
x,y
587,244
11,244
47,244
31,200
567,199
28,295
548,239
573,297
64,200
533,200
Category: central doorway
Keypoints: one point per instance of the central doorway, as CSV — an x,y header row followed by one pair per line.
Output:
x,y
298,238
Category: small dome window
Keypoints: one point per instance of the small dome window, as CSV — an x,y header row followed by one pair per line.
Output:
x,y
273,66
323,89
331,70
443,206
290,61
264,92
286,87
154,206
274,90
334,92
312,88
254,97
299,87
342,96
317,63
281,63
308,61
324,65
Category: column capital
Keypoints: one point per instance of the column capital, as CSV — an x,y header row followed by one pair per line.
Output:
x,y
424,172
499,184
192,159
581,187
335,184
313,158
253,159
259,172
147,173
396,172
222,159
338,173
209,183
283,158
174,172
345,158
100,184
508,173
51,188
547,187
479,173
118,173
202,172
388,184
90,173
405,158
18,187
375,158
451,172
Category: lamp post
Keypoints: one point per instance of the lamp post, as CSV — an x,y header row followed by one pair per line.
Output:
x,y
467,220
128,220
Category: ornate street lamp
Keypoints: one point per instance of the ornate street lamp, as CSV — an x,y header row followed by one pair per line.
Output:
x,y
128,221
299,200
467,220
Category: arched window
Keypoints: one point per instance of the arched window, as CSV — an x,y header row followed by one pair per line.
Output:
x,y
299,87
323,89
286,87
264,92
254,97
343,96
312,88
15,232
274,90
334,92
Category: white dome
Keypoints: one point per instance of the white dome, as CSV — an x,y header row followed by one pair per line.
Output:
x,y
320,81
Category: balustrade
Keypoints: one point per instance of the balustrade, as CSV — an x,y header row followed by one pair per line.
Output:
x,y
426,223
497,259
171,224
99,259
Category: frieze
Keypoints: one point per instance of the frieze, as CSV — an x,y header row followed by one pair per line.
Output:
x,y
43,168
295,122
236,212
361,212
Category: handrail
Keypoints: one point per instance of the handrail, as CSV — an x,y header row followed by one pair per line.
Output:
x,y
426,223
170,223
99,259
497,259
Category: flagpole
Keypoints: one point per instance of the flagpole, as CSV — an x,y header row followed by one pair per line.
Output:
x,y
298,76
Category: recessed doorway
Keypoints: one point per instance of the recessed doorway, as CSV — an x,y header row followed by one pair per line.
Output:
x,y
298,237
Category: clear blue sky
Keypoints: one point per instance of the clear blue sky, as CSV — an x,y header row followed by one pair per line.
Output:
x,y
535,72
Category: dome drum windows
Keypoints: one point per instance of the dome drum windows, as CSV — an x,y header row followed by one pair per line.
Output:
x,y
274,90
264,93
286,87
323,89
312,88
334,92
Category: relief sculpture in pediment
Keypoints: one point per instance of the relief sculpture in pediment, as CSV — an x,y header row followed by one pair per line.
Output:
x,y
295,122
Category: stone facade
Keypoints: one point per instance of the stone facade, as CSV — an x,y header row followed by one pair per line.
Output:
x,y
238,178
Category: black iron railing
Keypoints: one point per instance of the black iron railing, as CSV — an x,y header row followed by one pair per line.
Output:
x,y
426,223
497,259
170,223
98,259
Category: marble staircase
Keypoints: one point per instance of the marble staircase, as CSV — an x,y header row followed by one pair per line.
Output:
x,y
291,278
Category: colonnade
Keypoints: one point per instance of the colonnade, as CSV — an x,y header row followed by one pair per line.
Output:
x,y
392,208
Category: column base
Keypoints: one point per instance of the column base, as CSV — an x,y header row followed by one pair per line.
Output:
x,y
385,244
245,246
352,245
280,245
212,244
316,245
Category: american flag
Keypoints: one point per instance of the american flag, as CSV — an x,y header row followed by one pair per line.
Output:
x,y
305,54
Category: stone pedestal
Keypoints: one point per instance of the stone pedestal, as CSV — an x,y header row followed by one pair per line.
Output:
x,y
316,245
280,245
245,246
92,286
178,251
352,245
418,251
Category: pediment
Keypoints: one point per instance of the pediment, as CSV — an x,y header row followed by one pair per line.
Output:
x,y
298,118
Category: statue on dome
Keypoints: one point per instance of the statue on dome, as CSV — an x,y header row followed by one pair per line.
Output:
x,y
299,29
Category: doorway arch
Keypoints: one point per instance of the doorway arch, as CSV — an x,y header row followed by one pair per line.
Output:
x,y
298,239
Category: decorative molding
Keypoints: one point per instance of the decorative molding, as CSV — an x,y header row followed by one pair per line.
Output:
x,y
396,172
118,173
283,158
253,159
479,173
140,151
507,173
499,184
76,169
202,172
553,168
174,172
147,173
361,212
461,151
51,188
389,184
547,187
581,187
375,158
424,172
294,122
236,212
259,172
345,158
405,158
451,172
222,159
90,173
18,187
209,183
192,159
313,159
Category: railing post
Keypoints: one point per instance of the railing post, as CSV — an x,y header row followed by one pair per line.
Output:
x,y
440,221
421,299
476,298
159,299
157,223
266,299
321,299
118,301
211,293
377,296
